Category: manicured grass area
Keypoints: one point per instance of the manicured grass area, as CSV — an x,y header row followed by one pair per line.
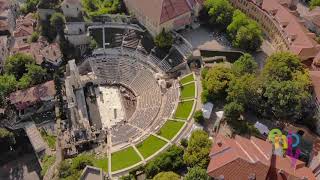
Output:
x,y
170,129
187,79
101,163
151,145
124,158
188,91
183,110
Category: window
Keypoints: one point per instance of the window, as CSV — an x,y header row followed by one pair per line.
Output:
x,y
67,6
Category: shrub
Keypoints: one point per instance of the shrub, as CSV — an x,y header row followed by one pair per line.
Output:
x,y
198,116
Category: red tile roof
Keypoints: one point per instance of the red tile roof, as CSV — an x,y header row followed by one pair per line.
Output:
x,y
281,167
39,50
240,158
160,11
172,9
303,43
24,98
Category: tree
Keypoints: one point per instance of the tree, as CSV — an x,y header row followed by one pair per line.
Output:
x,y
167,175
239,19
97,7
286,87
288,98
314,3
164,40
245,90
245,65
281,67
36,73
197,173
29,6
248,37
220,12
198,116
64,169
24,82
81,161
170,160
47,30
34,37
8,84
244,32
233,110
49,4
17,64
57,21
216,82
197,152
184,142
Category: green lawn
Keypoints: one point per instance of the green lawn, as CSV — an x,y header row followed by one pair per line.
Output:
x,y
183,110
101,163
188,91
170,129
187,79
124,158
151,145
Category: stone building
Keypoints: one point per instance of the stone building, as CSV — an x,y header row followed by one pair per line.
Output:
x,y
8,15
71,8
281,23
156,15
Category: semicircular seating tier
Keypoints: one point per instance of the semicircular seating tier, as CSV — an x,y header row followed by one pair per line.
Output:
x,y
154,106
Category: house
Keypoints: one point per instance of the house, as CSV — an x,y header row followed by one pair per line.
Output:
x,y
4,50
24,28
71,8
312,20
45,54
8,15
43,93
156,15
252,159
281,22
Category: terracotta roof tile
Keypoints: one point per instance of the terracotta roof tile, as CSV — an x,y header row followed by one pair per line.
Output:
x,y
302,44
23,98
240,158
160,11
